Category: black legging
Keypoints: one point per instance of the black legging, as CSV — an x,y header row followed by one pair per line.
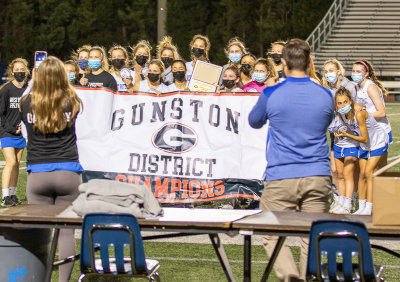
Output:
x,y
58,188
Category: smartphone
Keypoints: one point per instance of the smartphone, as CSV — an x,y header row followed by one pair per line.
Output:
x,y
40,56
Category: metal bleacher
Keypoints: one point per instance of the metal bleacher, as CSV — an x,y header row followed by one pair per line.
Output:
x,y
354,29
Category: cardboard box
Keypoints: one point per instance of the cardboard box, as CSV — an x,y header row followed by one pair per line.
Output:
x,y
386,197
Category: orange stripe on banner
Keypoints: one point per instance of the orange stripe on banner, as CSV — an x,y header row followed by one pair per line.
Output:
x,y
209,199
139,93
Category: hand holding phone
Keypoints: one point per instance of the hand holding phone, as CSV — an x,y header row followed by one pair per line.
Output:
x,y
40,56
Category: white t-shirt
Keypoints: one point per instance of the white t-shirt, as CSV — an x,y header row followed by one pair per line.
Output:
x,y
120,83
363,97
144,87
172,87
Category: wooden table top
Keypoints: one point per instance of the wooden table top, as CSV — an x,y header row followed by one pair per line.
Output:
x,y
300,222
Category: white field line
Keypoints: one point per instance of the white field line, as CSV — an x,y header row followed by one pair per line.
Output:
x,y
393,158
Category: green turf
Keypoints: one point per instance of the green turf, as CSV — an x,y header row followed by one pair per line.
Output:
x,y
202,264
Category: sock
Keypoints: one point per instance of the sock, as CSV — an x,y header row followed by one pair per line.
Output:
x,y
347,203
12,190
361,204
5,193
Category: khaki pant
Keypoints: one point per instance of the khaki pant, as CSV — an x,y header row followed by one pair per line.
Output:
x,y
311,195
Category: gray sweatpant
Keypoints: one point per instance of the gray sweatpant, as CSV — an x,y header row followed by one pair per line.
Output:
x,y
58,187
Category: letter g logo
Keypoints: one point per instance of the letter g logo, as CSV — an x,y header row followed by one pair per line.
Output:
x,y
174,138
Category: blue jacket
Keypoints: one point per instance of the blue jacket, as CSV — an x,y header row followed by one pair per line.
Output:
x,y
299,112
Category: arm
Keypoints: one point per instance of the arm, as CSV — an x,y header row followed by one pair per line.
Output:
x,y
373,93
258,115
361,116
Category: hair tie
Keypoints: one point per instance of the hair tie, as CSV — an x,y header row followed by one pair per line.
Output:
x,y
364,64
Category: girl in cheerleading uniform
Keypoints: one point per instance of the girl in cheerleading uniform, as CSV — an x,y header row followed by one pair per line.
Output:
x,y
361,127
12,142
49,114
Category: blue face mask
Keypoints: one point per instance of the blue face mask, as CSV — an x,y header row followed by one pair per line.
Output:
x,y
357,77
345,110
83,63
259,77
235,57
331,77
71,77
94,64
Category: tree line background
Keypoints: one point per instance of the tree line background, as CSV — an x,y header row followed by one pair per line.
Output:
x,y
60,26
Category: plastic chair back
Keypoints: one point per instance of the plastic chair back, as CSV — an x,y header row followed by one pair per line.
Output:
x,y
101,232
340,241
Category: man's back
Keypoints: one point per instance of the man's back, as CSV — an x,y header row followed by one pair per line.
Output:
x,y
299,112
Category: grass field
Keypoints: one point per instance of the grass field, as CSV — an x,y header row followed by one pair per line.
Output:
x,y
198,262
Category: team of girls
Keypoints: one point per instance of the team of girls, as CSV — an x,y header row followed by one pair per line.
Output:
x,y
361,132
120,73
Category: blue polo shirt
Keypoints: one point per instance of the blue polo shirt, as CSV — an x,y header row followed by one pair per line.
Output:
x,y
299,112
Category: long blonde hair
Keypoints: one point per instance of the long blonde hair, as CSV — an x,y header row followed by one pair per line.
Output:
x,y
104,61
52,96
144,44
10,69
166,44
269,65
207,44
123,49
369,68
338,66
235,41
311,70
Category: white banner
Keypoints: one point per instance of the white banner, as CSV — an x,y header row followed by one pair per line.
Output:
x,y
179,135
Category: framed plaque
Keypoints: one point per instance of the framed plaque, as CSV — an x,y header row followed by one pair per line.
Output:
x,y
205,77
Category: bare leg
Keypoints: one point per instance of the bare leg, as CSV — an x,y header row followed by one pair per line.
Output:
x,y
348,172
11,164
15,171
339,164
369,170
362,182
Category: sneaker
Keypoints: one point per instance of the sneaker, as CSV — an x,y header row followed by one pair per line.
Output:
x,y
7,202
359,211
15,199
341,210
333,206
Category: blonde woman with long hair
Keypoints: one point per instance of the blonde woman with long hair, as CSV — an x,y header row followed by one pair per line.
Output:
x,y
234,51
120,60
12,142
49,114
167,53
199,49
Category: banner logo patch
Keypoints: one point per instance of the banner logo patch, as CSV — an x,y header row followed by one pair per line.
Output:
x,y
175,138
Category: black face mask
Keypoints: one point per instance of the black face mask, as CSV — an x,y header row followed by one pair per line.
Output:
x,y
179,75
228,83
141,60
276,58
197,52
153,77
246,69
19,76
118,63
167,61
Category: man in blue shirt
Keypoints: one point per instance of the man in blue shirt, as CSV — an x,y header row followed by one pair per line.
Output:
x,y
298,171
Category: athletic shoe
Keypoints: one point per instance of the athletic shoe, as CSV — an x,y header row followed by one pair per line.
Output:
x,y
341,210
333,206
7,202
15,200
359,211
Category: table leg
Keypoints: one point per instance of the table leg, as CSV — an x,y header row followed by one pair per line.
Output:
x,y
247,259
223,259
273,257
50,259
